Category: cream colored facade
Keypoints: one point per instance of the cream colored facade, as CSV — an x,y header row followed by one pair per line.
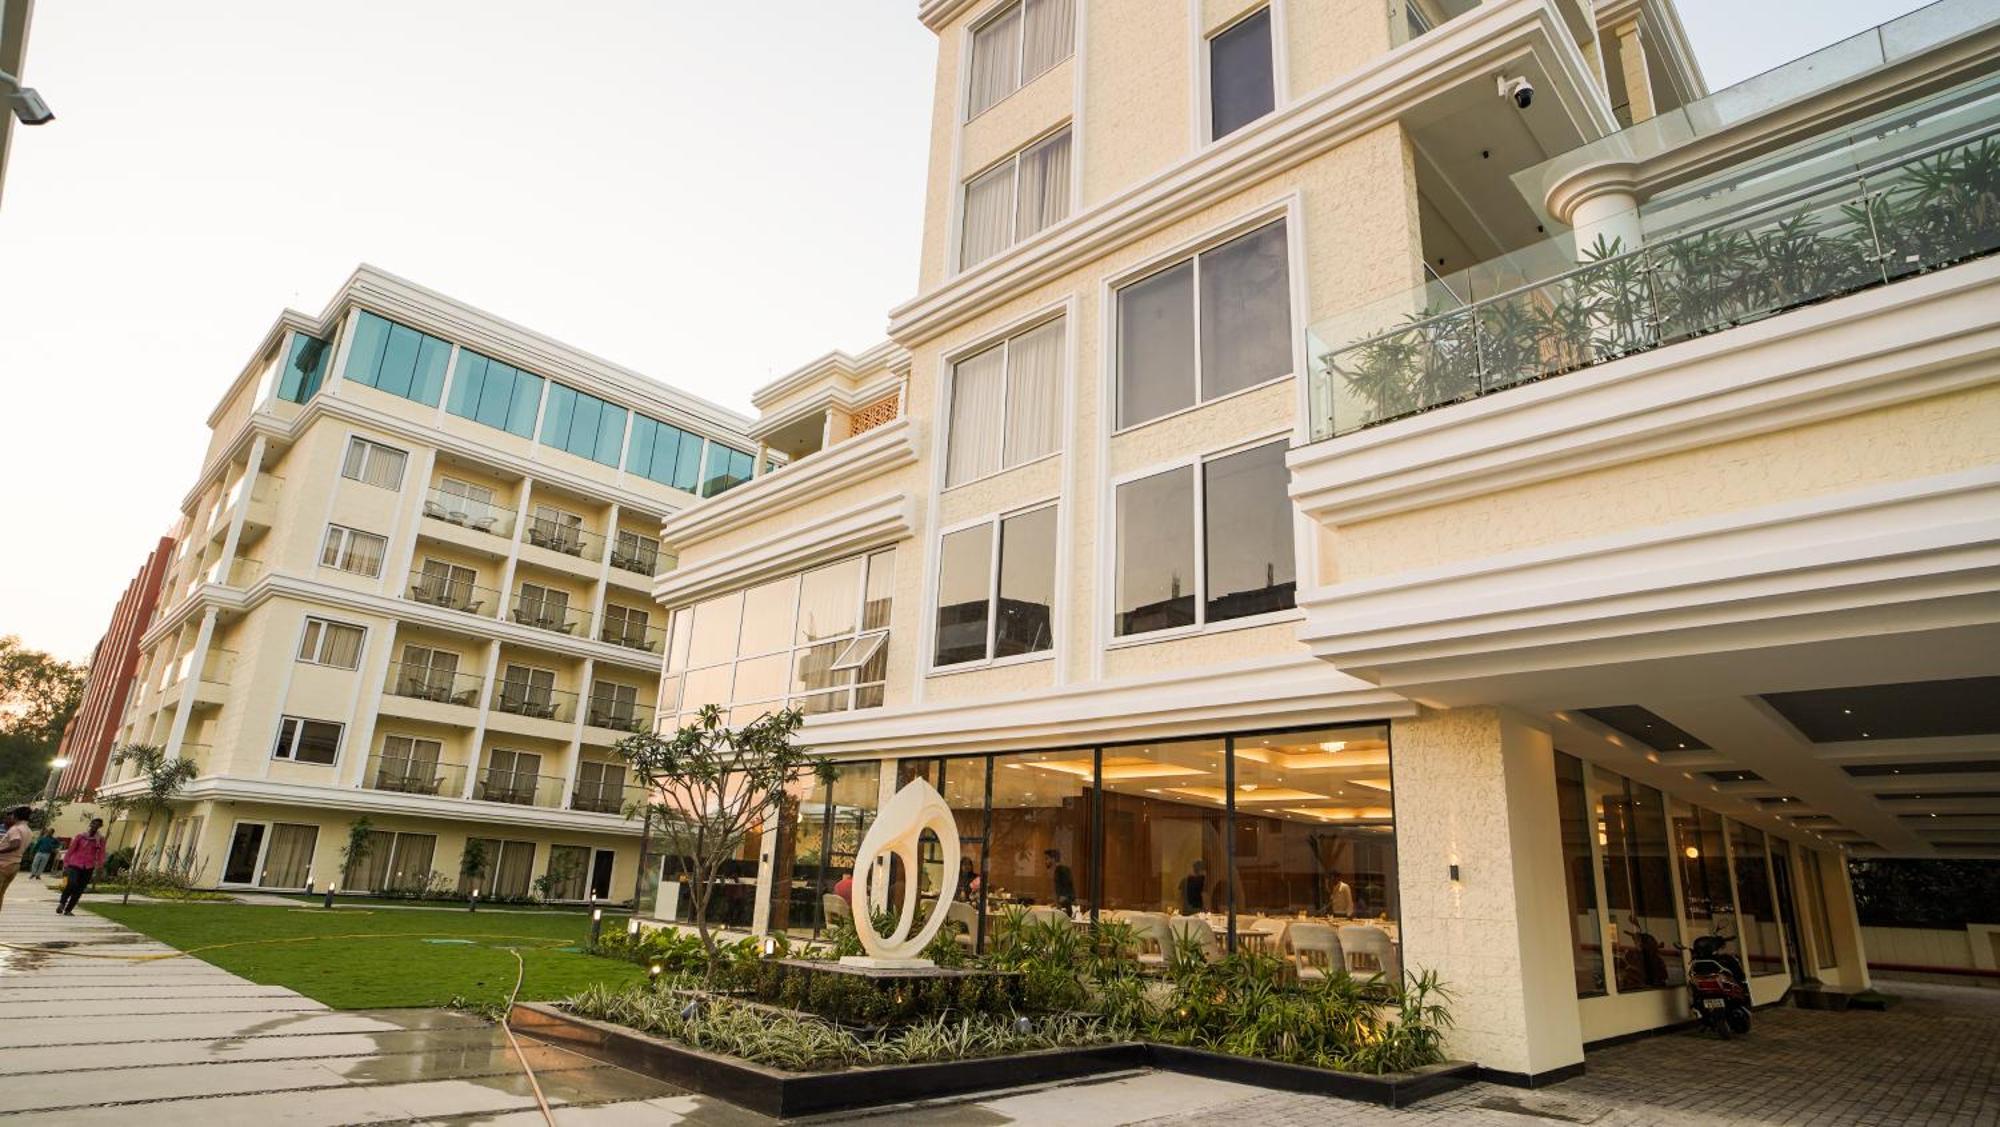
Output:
x,y
1389,155
459,709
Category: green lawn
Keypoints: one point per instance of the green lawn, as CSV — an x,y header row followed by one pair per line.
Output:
x,y
354,958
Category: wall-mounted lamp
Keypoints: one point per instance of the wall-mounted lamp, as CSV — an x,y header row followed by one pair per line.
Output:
x,y
1454,872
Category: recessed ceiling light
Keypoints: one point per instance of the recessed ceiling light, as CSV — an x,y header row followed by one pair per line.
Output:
x,y
1847,712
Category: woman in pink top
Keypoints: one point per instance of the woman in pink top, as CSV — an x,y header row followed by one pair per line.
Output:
x,y
86,853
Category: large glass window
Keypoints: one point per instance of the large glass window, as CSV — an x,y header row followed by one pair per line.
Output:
x,y
1039,847
1006,405
1706,901
1164,826
815,641
664,453
1579,876
1014,45
1026,193
306,362
374,464
998,604
1814,887
1641,924
1240,86
1246,564
349,549
331,643
307,741
1234,298
583,424
397,359
500,395
819,832
1756,912
727,468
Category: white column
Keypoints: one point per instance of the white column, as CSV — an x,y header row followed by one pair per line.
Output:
x,y
1475,790
374,683
485,707
190,684
251,468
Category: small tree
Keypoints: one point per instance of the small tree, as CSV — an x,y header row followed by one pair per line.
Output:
x,y
164,779
472,862
714,785
359,845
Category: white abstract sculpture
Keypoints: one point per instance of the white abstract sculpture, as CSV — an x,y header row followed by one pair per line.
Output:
x,y
899,825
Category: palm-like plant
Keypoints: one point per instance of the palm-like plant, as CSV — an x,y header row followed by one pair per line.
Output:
x,y
164,779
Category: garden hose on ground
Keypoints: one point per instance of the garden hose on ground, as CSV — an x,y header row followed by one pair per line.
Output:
x,y
520,976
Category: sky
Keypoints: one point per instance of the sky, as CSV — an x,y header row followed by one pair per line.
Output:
x,y
712,194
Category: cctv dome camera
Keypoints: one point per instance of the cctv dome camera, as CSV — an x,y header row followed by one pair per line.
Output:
x,y
1517,88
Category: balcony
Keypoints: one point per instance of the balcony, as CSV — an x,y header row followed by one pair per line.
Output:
x,y
1926,214
466,598
477,526
414,776
517,699
260,507
542,614
646,638
643,560
619,716
518,789
602,798
420,682
218,668
564,539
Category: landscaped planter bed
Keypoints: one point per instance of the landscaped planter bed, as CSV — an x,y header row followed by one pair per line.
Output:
x,y
782,1093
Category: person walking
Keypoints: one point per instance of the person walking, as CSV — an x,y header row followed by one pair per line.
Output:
x,y
44,851
86,853
14,842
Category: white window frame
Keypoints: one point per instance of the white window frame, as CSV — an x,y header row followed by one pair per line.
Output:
x,y
1012,161
287,749
1285,213
1004,341
317,641
1199,492
471,492
1021,76
995,520
372,451
340,539
676,675
1204,91
263,851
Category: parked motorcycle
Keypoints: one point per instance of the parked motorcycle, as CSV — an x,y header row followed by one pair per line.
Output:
x,y
1718,990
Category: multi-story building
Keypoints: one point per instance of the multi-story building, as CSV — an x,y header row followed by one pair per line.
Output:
x,y
1443,473
412,585
114,666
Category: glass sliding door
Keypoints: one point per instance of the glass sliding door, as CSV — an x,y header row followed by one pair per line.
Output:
x,y
288,860
1756,915
246,847
1579,876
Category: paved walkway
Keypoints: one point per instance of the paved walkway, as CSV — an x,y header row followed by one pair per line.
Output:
x,y
94,1036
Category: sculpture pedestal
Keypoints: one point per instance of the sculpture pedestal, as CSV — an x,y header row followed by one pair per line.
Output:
x,y
868,963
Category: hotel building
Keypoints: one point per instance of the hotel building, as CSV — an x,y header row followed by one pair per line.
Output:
x,y
1438,472
1447,476
411,585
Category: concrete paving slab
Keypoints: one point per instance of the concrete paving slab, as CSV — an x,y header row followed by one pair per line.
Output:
x,y
147,1054
134,1004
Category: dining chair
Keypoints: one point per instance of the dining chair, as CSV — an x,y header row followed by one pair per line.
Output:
x,y
1197,929
836,909
1370,952
1043,912
1154,935
1315,949
961,913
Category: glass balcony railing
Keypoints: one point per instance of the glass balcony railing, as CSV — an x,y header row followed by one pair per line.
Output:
x,y
640,559
602,797
550,615
438,591
1707,272
410,775
518,789
631,635
479,516
520,699
423,682
568,539
618,716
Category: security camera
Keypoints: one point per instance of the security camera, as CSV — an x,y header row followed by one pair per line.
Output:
x,y
1519,89
29,107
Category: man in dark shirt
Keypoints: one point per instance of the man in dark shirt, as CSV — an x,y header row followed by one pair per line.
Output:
x,y
1065,881
1194,887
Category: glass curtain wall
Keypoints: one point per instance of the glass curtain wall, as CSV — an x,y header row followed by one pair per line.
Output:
x,y
1579,876
1641,925
1706,899
1756,911
819,833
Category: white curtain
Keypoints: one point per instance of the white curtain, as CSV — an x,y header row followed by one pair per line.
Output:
x,y
996,61
289,860
1044,185
1049,36
977,385
988,222
341,646
1034,393
364,553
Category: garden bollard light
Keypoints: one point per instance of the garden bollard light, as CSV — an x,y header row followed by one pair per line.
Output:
x,y
632,926
330,886
596,924
472,905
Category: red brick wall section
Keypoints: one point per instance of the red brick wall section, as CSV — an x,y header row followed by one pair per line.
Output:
x,y
86,742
